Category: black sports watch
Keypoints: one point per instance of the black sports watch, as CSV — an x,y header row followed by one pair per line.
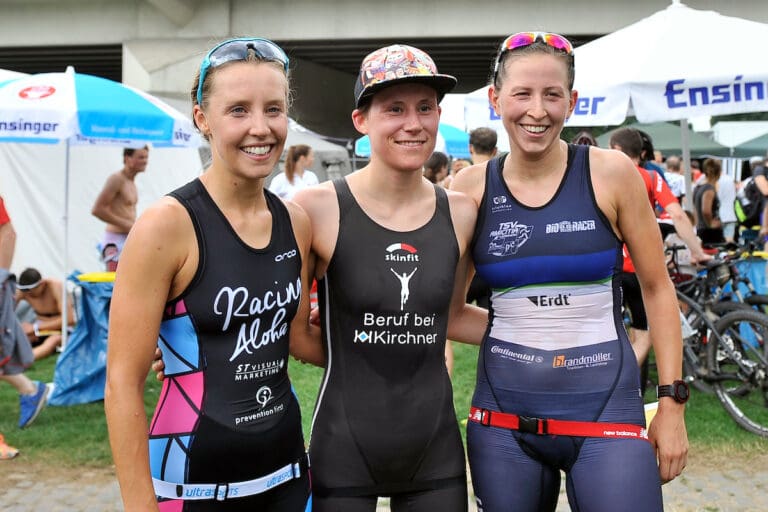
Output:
x,y
678,391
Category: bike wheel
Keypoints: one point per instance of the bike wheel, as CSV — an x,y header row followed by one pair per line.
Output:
x,y
738,366
722,308
697,328
758,301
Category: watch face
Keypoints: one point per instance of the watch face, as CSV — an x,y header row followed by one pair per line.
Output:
x,y
681,391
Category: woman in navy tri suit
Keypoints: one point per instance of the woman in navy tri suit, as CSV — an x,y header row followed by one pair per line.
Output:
x,y
557,381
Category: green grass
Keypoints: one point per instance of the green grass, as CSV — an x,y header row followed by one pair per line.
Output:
x,y
77,435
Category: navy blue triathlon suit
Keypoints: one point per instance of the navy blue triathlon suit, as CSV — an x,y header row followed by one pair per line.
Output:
x,y
227,412
384,423
556,348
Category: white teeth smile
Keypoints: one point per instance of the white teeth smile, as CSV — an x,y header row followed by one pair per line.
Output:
x,y
410,143
535,129
257,150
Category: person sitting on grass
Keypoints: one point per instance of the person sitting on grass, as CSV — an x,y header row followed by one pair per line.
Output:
x,y
42,323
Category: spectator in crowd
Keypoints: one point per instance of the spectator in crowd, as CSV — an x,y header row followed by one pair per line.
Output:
x,y
760,178
584,137
436,167
482,144
648,155
696,174
116,204
707,204
43,324
627,140
676,177
726,192
457,164
15,350
297,174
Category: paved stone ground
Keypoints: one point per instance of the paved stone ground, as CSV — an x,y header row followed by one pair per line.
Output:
x,y
706,486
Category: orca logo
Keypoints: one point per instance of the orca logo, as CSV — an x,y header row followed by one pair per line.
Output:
x,y
286,255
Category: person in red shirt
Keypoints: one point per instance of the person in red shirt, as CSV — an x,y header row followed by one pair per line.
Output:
x,y
628,141
15,350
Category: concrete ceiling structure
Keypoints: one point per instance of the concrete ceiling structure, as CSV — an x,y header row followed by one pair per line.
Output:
x,y
156,45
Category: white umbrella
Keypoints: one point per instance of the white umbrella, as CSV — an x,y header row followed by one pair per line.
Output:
x,y
49,108
676,64
478,113
7,74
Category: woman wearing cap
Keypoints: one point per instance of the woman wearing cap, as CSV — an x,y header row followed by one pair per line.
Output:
x,y
557,386
391,251
218,271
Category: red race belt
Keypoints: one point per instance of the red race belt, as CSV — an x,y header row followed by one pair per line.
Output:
x,y
543,426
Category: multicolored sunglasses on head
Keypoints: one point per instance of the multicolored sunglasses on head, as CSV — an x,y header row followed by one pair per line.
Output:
x,y
237,49
523,39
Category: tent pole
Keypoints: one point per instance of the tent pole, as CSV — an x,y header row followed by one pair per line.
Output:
x,y
685,146
64,319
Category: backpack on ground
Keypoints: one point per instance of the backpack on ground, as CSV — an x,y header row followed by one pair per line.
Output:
x,y
748,204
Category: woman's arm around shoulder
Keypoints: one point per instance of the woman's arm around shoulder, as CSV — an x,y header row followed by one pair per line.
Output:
x,y
466,322
158,255
322,207
305,341
471,181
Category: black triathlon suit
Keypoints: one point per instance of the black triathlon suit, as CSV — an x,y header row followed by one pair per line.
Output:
x,y
384,423
227,412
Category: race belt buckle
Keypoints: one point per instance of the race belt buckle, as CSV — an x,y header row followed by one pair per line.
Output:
x,y
532,425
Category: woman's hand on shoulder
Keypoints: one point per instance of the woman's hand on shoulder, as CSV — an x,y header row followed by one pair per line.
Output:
x,y
464,215
315,199
470,181
320,204
302,227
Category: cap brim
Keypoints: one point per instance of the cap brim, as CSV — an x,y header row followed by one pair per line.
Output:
x,y
443,84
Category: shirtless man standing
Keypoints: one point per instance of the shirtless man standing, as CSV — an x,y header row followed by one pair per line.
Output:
x,y
116,204
44,298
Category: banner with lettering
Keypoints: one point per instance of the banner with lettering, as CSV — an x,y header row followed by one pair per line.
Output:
x,y
676,64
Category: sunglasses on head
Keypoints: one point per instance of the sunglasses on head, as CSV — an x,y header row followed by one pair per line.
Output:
x,y
237,49
523,39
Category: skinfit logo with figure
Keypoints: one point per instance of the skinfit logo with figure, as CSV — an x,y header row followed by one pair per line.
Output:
x,y
402,253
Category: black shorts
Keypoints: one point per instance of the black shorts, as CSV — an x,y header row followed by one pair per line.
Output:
x,y
633,301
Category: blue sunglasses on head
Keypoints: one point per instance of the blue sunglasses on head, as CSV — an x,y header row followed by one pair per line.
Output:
x,y
237,49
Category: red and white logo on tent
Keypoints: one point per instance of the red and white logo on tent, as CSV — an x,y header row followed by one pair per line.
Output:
x,y
36,92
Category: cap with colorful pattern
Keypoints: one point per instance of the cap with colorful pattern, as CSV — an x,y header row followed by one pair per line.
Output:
x,y
397,64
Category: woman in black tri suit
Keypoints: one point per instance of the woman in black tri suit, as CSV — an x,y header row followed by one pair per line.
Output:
x,y
391,251
217,271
